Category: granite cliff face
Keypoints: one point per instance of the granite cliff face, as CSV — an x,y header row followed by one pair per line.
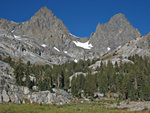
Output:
x,y
42,39
113,34
6,26
45,39
44,27
139,46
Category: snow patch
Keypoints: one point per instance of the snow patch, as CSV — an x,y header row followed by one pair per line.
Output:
x,y
108,48
43,45
75,60
56,49
119,47
65,52
12,31
17,37
84,45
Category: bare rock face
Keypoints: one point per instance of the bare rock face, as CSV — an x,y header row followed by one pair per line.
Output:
x,y
6,26
45,39
5,96
42,39
144,43
113,34
44,27
11,93
139,46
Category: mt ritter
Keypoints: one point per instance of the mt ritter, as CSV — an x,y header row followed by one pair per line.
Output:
x,y
45,39
41,62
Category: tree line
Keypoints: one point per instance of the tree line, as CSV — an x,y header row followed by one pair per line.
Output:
x,y
47,76
129,80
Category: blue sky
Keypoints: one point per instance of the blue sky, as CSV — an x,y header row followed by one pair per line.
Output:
x,y
81,16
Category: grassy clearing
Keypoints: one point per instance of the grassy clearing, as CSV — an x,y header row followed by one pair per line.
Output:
x,y
74,108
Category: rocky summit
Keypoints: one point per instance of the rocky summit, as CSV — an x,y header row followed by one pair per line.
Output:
x,y
113,34
42,39
44,27
45,39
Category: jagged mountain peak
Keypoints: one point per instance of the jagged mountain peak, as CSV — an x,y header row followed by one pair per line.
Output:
x,y
46,37
44,26
118,16
120,20
113,34
117,21
44,11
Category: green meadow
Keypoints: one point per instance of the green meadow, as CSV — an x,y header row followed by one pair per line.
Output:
x,y
72,108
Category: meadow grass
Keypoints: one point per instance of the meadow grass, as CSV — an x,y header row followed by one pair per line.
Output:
x,y
72,108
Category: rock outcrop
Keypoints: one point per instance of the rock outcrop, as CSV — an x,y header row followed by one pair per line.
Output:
x,y
109,36
11,93
45,39
139,46
42,39
44,27
6,26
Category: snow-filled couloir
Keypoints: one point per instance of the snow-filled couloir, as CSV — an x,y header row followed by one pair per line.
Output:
x,y
84,45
